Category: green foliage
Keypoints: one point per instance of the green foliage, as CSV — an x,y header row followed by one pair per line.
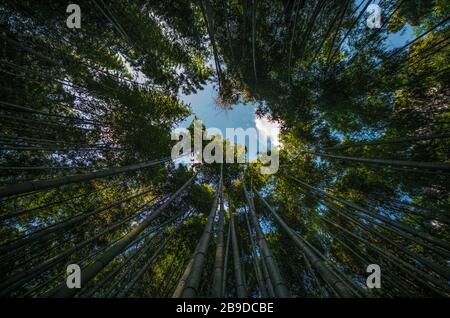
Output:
x,y
107,95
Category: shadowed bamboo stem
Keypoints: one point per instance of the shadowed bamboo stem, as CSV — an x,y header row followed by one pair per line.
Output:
x,y
275,276
241,290
93,269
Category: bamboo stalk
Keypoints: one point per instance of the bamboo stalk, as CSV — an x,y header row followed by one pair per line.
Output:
x,y
218,262
400,163
50,184
401,226
93,269
143,269
36,235
258,273
323,269
275,276
20,279
241,289
389,141
225,263
190,281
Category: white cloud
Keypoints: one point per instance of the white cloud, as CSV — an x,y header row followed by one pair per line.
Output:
x,y
267,129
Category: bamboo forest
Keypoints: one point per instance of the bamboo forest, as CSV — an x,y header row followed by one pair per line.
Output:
x,y
93,90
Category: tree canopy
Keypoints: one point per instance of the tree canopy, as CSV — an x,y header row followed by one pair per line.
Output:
x,y
86,175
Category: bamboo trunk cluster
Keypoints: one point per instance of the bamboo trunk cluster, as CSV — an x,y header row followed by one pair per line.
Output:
x,y
241,290
93,269
276,279
218,263
29,186
325,272
190,281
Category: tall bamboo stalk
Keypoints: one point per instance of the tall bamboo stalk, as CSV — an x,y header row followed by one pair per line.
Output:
x,y
418,275
241,290
190,281
258,273
218,262
389,141
143,269
275,276
30,186
401,226
42,207
444,272
325,272
415,257
32,237
225,262
93,269
117,281
254,38
22,278
266,276
441,166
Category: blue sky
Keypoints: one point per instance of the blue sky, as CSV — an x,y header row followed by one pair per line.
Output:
x,y
203,103
204,107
